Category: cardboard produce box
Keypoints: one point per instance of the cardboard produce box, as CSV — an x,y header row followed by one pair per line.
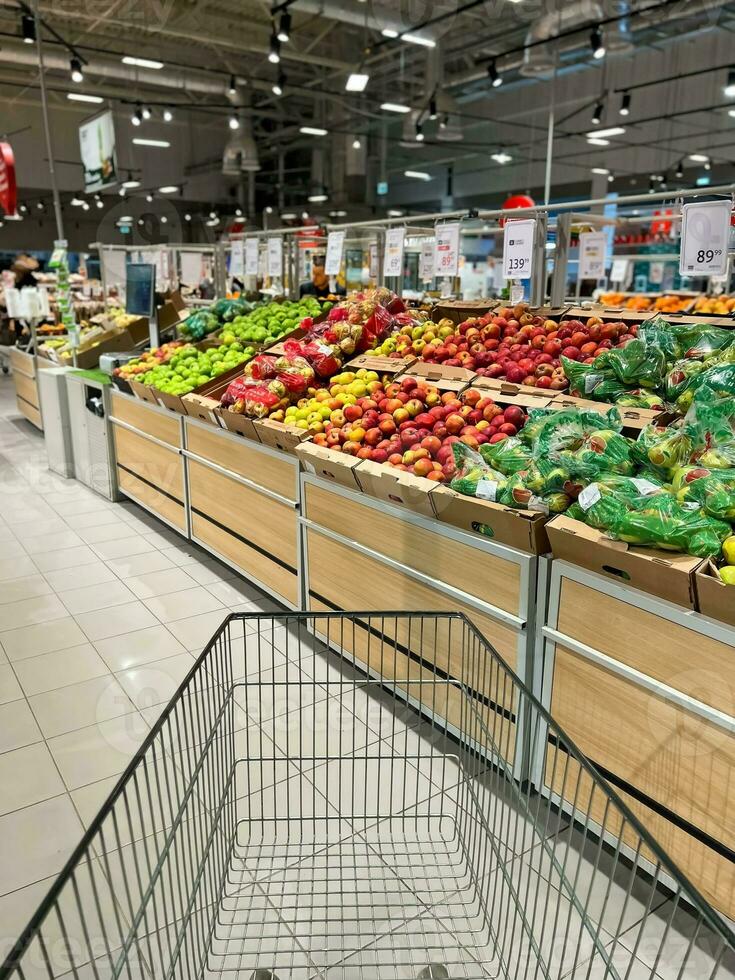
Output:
x,y
583,313
330,464
714,598
380,363
446,378
112,340
521,529
666,574
633,419
280,435
396,487
235,422
172,311
506,393
460,310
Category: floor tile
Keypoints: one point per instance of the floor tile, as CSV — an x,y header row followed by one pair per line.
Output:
x,y
10,689
162,537
34,529
27,776
183,554
17,726
111,531
210,571
92,597
79,705
16,909
235,592
154,561
28,851
11,568
57,541
94,573
96,518
12,549
29,612
65,558
150,584
101,623
25,587
179,605
89,799
31,641
59,669
156,682
131,544
196,631
90,754
138,647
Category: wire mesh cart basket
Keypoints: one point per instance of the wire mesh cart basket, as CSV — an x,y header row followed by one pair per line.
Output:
x,y
346,796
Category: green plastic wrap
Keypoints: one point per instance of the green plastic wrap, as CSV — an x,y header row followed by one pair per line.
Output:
x,y
672,527
663,449
720,379
641,362
508,456
713,490
474,478
568,430
537,419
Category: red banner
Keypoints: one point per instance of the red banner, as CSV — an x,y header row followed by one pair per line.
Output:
x,y
8,194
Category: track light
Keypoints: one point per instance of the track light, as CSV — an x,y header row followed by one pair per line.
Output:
x,y
146,113
137,117
238,212
284,27
708,165
234,122
187,217
679,172
419,133
597,44
149,197
730,86
495,77
75,66
432,108
625,104
28,28
279,85
41,206
232,88
356,144
167,115
597,114
274,55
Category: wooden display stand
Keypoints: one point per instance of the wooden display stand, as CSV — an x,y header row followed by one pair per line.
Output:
x,y
646,690
26,385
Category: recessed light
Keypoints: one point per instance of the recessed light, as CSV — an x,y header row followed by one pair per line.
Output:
x,y
142,62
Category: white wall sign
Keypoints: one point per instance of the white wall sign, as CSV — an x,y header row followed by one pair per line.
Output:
x,y
393,260
237,259
97,147
251,256
275,257
705,234
447,249
592,246
335,245
518,248
427,261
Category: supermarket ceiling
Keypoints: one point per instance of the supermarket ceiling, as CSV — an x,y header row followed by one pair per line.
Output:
x,y
470,138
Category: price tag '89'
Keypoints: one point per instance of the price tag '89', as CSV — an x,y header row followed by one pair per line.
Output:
x,y
705,234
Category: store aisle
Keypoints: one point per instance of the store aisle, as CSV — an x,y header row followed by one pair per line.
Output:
x,y
102,611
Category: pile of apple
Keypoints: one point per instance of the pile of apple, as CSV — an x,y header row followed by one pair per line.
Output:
x,y
525,348
412,426
412,338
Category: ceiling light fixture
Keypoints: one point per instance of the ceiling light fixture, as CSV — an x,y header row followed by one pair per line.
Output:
x,y
730,85
356,144
76,202
41,206
163,219
417,174
233,122
149,197
121,192
317,198
146,113
168,115
602,133
337,214
232,88
187,217
357,81
274,54
279,84
708,165
603,171
213,215
137,117
142,62
288,216
168,189
395,213
679,172
284,27
494,75
425,42
131,183
596,141
312,131
139,141
502,157
432,108
597,114
597,44
28,28
238,212
698,157
419,133
625,104
98,201
81,97
389,32
75,67
394,107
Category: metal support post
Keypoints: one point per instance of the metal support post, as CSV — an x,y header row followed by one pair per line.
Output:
x,y
538,276
561,260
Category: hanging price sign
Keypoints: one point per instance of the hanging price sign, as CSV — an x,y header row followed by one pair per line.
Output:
x,y
275,257
592,246
619,272
705,233
426,262
237,259
393,260
518,248
447,250
251,256
335,245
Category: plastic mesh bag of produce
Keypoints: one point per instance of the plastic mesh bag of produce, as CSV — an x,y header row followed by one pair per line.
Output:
x,y
535,422
604,501
473,476
246,396
662,522
711,423
377,326
639,398
508,456
604,450
699,341
261,367
592,381
518,493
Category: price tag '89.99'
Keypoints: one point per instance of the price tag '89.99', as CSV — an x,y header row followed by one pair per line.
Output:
x,y
518,248
705,234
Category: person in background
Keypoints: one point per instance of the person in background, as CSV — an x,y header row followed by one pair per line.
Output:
x,y
24,267
319,285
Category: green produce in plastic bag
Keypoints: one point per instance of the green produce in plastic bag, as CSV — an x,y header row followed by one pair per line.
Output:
x,y
508,456
664,449
641,362
720,379
638,398
474,478
711,423
699,341
568,430
517,494
537,419
663,522
713,490
606,450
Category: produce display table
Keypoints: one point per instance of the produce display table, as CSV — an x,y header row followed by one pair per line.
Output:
x,y
26,385
646,689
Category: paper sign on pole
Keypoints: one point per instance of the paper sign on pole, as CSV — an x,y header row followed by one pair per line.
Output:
x,y
251,256
427,261
237,259
705,234
113,261
191,268
518,248
446,261
592,247
393,261
373,260
335,245
275,257
619,271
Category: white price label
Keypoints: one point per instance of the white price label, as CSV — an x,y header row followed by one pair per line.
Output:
x,y
592,247
373,261
487,489
447,249
705,233
335,244
656,273
426,262
518,248
619,272
645,487
237,259
393,260
589,496
275,257
251,256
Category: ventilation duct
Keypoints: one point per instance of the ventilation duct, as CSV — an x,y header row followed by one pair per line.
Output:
x,y
408,129
450,123
538,57
240,153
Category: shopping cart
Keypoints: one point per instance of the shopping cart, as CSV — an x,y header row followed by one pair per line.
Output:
x,y
363,796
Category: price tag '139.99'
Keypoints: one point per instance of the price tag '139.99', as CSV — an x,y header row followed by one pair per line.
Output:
x,y
518,248
705,234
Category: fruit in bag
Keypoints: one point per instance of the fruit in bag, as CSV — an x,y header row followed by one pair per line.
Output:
x,y
473,477
508,456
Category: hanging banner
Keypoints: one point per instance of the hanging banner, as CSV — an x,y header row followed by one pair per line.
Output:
x,y
8,190
97,145
518,248
335,247
446,262
592,247
393,259
251,256
705,234
237,259
427,261
275,257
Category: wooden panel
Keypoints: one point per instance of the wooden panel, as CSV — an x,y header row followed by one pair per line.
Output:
x,y
27,389
475,572
149,496
163,468
370,585
261,521
690,662
31,412
254,565
139,414
492,730
711,873
278,475
22,363
682,761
